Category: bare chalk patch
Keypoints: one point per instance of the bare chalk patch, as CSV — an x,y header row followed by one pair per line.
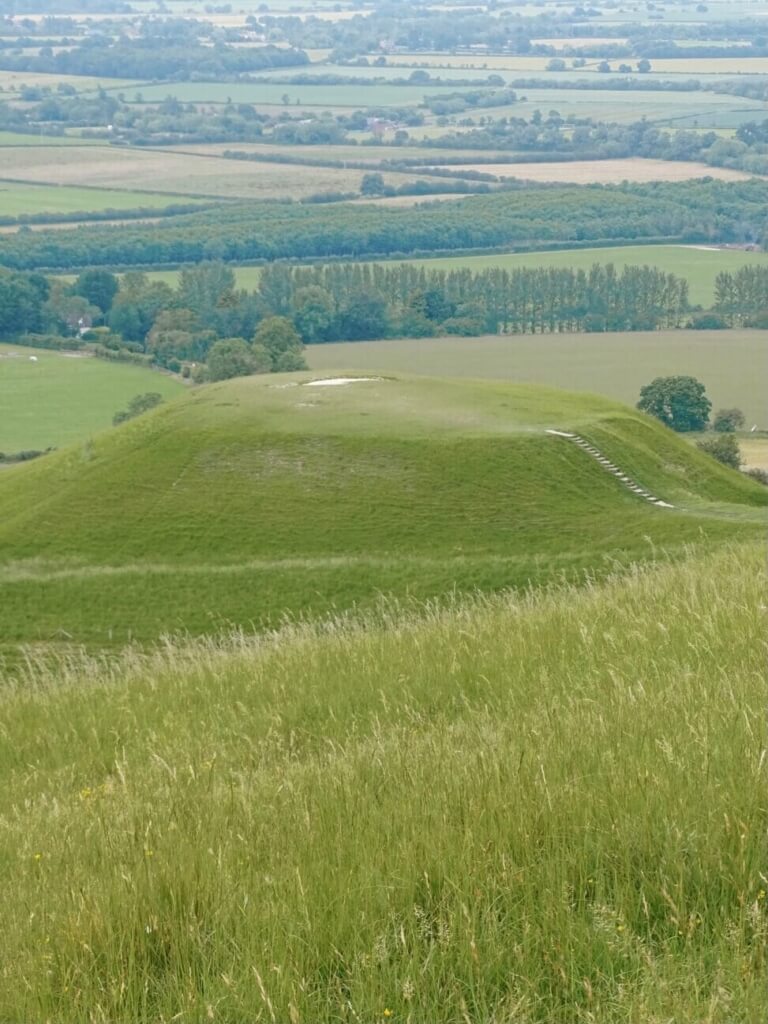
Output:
x,y
330,382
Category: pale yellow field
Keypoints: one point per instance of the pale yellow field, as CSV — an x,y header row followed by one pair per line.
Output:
x,y
12,81
580,41
607,171
469,60
712,65
754,451
179,173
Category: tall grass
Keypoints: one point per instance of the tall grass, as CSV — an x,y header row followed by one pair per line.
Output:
x,y
540,809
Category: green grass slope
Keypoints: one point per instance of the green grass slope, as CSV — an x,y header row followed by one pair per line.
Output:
x,y
59,398
246,500
547,810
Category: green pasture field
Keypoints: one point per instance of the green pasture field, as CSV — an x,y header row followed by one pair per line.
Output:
x,y
699,266
246,501
372,821
732,364
61,398
24,139
709,110
303,96
20,198
180,174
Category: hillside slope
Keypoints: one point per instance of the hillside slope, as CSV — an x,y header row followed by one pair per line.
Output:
x,y
246,500
547,809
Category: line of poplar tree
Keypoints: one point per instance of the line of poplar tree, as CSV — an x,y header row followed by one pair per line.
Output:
x,y
354,302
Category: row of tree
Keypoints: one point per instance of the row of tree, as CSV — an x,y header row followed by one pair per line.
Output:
x,y
355,302
742,298
140,318
529,217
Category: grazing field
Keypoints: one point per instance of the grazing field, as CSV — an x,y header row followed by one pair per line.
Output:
x,y
179,173
60,398
28,139
18,199
196,517
547,808
732,364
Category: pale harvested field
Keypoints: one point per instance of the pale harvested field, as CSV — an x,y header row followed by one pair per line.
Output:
x,y
580,41
694,66
492,62
370,154
603,172
12,81
180,173
754,452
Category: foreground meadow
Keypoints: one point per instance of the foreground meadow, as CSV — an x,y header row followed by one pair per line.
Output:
x,y
522,809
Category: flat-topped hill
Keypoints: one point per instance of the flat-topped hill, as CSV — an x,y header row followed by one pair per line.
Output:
x,y
249,499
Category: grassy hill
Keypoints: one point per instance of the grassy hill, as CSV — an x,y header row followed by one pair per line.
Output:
x,y
58,398
248,500
548,809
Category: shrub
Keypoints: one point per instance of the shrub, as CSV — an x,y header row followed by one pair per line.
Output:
x,y
724,448
760,475
136,406
726,421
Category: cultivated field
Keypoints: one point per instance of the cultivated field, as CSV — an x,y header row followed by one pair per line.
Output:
x,y
18,199
60,398
179,173
12,81
732,364
606,172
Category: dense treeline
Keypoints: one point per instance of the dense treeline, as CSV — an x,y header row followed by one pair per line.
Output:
x,y
527,217
355,302
141,320
154,56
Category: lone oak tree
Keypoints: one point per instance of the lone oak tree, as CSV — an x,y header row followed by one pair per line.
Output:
x,y
679,402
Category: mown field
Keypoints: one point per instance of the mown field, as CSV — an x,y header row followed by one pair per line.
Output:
x,y
526,809
18,199
194,518
180,173
606,172
27,139
733,365
61,398
12,81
